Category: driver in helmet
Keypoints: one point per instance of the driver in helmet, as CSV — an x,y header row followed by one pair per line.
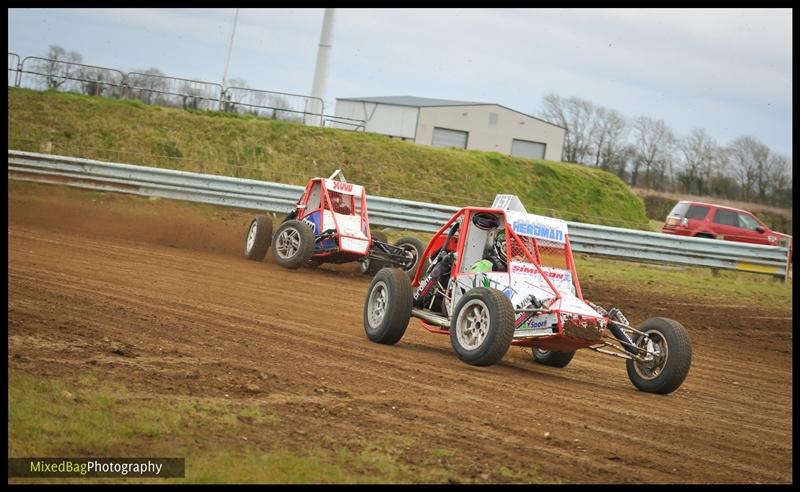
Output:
x,y
494,256
339,205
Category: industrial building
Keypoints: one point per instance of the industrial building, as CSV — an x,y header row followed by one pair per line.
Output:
x,y
460,124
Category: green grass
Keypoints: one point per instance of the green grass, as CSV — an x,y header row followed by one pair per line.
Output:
x,y
248,147
84,416
725,286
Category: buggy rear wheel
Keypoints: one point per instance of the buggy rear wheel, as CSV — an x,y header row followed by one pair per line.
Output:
x,y
671,355
552,358
367,265
482,326
259,235
293,244
413,248
387,308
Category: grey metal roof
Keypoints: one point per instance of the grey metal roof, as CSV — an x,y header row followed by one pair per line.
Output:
x,y
422,102
417,102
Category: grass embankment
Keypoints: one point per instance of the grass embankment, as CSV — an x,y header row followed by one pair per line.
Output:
x,y
86,417
244,146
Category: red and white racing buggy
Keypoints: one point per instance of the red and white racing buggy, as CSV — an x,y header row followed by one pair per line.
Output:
x,y
499,276
330,224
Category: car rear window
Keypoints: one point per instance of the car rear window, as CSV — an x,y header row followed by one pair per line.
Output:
x,y
679,210
683,209
697,212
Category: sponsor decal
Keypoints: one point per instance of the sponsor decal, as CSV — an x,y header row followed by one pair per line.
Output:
x,y
340,186
535,325
517,268
312,224
538,230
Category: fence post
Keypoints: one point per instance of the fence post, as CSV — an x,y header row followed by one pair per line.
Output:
x,y
788,261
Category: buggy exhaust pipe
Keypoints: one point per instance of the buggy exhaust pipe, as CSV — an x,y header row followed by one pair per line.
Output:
x,y
430,318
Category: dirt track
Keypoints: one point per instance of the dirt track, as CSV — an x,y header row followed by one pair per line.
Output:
x,y
195,318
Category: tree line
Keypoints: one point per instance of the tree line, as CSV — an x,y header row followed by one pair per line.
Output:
x,y
646,153
63,70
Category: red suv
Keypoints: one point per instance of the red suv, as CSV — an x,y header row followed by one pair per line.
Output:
x,y
716,221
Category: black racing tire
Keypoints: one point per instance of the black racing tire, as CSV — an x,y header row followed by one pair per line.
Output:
x,y
292,244
387,308
369,266
258,238
552,358
482,326
668,371
416,248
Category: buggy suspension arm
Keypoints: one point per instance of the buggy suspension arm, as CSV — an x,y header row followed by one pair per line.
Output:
x,y
389,253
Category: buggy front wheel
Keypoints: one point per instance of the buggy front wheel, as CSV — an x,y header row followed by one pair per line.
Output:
x,y
669,355
293,244
387,308
482,326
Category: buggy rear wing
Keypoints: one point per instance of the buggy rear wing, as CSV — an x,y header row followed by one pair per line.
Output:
x,y
536,226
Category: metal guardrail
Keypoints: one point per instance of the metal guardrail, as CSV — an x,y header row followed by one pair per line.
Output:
x,y
386,212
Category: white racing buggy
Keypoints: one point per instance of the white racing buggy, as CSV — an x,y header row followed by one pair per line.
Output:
x,y
330,224
496,277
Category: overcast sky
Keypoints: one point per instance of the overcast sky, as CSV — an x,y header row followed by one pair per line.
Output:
x,y
727,71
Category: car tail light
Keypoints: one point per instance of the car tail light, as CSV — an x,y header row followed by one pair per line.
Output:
x,y
672,221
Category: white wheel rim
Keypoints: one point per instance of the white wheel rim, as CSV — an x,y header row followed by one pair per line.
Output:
x,y
251,236
288,243
655,344
376,306
472,324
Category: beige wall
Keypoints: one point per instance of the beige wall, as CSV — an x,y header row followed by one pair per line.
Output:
x,y
483,136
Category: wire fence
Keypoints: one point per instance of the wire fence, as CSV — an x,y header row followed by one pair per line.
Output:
x,y
153,87
13,68
275,105
173,91
46,74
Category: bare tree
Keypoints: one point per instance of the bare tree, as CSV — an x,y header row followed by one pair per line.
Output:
x,y
779,176
58,66
149,85
236,94
654,143
577,116
700,158
192,95
608,138
280,105
749,162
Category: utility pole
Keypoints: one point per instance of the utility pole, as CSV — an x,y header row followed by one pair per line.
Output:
x,y
321,69
228,59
